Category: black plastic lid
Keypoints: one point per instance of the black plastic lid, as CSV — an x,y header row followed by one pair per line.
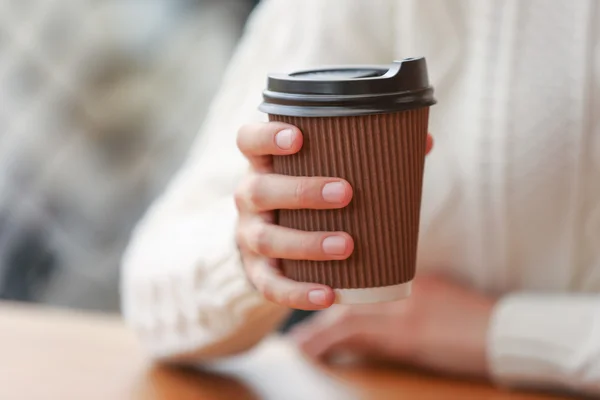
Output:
x,y
349,90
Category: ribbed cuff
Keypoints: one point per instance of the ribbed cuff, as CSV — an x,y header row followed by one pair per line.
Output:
x,y
543,340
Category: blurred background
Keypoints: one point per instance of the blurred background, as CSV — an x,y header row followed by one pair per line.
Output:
x,y
99,101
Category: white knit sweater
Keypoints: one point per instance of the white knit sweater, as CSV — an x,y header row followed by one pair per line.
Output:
x,y
512,190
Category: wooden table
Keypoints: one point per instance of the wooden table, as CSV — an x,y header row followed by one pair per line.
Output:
x,y
50,354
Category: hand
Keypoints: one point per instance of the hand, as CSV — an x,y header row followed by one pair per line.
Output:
x,y
442,326
261,242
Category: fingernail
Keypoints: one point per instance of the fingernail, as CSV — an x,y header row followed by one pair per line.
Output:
x,y
334,245
334,192
285,139
317,297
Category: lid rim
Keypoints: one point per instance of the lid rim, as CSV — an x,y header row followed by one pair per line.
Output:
x,y
326,91
272,97
291,110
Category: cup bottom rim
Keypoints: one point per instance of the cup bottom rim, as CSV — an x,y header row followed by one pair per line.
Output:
x,y
373,295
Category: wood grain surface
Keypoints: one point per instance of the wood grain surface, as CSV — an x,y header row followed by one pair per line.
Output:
x,y
50,354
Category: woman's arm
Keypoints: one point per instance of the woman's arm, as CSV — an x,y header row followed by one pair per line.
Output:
x,y
530,340
183,288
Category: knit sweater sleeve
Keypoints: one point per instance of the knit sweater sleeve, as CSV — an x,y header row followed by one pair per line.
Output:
x,y
547,340
183,288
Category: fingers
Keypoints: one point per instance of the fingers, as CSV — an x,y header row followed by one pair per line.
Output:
x,y
276,138
264,139
334,330
278,242
429,144
283,291
265,192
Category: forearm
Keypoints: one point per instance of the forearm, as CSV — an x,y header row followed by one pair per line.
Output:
x,y
184,290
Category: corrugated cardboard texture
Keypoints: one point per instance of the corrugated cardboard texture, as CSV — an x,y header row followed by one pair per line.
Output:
x,y
382,156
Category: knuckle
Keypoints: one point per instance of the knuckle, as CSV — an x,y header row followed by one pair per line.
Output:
x,y
295,298
240,138
256,277
302,193
268,292
240,237
254,192
261,239
290,299
308,243
239,197
247,195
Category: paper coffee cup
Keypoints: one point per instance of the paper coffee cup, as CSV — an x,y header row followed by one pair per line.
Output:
x,y
367,125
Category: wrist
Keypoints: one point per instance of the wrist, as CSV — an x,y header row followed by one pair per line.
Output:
x,y
457,343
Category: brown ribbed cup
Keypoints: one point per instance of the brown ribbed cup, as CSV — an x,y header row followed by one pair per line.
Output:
x,y
382,156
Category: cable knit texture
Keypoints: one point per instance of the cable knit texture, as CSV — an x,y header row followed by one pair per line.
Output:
x,y
511,196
